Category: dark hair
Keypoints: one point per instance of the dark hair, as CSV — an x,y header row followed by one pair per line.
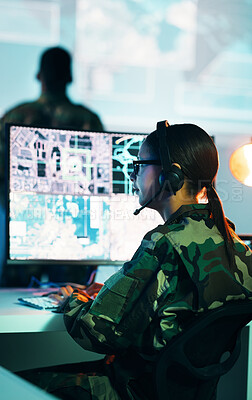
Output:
x,y
194,150
55,67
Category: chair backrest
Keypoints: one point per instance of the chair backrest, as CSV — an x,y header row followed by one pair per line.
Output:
x,y
199,349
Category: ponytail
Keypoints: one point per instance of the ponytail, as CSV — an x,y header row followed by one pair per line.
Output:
x,y
221,221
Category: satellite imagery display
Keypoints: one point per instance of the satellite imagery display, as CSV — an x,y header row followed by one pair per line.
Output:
x,y
71,194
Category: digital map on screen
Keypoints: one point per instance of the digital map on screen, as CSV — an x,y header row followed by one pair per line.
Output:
x,y
71,195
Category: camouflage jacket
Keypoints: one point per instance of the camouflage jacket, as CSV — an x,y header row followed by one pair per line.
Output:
x,y
179,270
49,111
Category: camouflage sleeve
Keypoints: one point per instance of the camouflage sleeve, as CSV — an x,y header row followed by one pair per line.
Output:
x,y
127,303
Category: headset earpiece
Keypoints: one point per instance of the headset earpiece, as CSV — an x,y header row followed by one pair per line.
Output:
x,y
172,177
173,181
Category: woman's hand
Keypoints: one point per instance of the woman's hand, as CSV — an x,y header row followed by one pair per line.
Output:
x,y
63,293
93,289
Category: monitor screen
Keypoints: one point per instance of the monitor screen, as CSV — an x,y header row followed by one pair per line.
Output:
x,y
70,196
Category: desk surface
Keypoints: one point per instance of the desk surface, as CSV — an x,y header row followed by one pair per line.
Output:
x,y
17,318
32,338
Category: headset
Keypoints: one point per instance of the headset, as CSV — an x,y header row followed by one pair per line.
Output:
x,y
171,178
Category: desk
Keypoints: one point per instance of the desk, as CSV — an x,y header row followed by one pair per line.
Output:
x,y
31,338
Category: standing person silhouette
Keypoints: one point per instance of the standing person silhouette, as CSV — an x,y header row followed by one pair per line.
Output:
x,y
52,109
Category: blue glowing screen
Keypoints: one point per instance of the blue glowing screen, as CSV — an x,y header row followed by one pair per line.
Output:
x,y
70,195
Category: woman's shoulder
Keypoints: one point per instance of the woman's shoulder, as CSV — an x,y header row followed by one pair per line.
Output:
x,y
159,235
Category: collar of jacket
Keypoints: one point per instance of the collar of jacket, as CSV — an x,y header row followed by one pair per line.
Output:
x,y
50,97
187,210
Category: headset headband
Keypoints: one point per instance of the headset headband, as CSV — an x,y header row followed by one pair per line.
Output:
x,y
164,152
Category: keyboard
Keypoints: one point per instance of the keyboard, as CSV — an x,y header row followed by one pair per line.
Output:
x,y
40,302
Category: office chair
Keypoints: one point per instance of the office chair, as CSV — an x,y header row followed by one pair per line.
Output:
x,y
197,353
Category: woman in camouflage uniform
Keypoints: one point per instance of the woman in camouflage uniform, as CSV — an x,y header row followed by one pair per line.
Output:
x,y
191,263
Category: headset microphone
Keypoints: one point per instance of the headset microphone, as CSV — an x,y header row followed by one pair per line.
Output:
x,y
137,211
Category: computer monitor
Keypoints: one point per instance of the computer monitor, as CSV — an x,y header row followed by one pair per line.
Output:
x,y
247,239
70,197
